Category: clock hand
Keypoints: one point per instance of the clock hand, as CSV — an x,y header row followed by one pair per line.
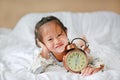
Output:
x,y
77,60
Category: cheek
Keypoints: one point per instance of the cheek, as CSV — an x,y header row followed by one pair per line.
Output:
x,y
65,40
49,46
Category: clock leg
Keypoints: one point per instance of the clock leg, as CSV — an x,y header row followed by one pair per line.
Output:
x,y
67,70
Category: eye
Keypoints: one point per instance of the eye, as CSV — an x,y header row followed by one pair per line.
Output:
x,y
50,39
59,35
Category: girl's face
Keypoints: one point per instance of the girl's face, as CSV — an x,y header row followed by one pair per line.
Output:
x,y
54,38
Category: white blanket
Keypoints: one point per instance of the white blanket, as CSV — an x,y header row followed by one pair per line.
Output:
x,y
102,29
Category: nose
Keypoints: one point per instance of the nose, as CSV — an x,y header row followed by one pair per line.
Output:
x,y
56,41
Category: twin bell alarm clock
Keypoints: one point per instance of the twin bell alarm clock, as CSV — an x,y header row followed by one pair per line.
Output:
x,y
74,58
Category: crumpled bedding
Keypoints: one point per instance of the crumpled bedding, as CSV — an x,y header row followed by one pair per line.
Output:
x,y
17,46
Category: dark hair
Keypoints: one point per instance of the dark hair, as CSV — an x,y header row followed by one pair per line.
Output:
x,y
43,21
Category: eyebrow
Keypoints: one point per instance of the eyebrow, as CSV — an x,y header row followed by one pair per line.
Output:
x,y
61,32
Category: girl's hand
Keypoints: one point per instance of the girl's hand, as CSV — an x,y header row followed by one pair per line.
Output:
x,y
45,52
89,70
82,45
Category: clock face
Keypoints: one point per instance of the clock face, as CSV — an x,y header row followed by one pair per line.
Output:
x,y
76,60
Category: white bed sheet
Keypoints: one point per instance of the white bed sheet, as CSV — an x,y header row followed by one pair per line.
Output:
x,y
17,46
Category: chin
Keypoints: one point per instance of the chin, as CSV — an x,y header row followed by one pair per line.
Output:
x,y
60,51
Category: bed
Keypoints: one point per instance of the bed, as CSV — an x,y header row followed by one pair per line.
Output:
x,y
102,29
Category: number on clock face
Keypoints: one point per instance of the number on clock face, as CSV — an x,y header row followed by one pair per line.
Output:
x,y
76,60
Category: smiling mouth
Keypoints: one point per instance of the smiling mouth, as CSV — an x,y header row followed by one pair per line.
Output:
x,y
59,46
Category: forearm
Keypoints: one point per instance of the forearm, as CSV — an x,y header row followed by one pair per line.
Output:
x,y
40,64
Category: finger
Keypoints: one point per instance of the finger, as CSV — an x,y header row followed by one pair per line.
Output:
x,y
39,43
84,71
98,69
87,50
83,37
95,71
83,47
90,70
81,43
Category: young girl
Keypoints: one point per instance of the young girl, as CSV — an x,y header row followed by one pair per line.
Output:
x,y
51,36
